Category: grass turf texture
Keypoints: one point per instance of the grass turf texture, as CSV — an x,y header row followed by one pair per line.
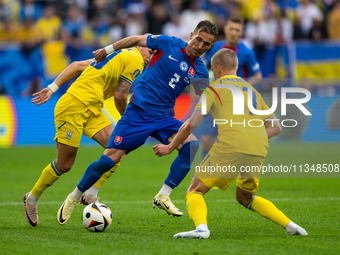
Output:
x,y
138,229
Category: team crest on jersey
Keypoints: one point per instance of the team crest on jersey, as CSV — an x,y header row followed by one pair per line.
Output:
x,y
118,140
155,36
69,134
136,73
184,66
191,72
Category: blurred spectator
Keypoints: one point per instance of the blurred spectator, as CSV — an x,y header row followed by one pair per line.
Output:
x,y
174,27
288,4
282,29
251,9
30,9
73,24
31,37
8,31
157,17
5,11
234,9
318,31
73,31
333,22
306,12
297,29
136,21
50,24
258,34
192,16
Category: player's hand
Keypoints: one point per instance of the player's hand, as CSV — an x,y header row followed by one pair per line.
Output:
x,y
161,150
99,55
42,96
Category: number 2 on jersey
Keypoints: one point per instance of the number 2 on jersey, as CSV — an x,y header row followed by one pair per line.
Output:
x,y
174,80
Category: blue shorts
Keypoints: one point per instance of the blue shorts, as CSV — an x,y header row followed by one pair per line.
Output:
x,y
206,128
136,126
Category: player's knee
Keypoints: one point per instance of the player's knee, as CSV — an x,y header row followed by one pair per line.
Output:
x,y
243,197
65,166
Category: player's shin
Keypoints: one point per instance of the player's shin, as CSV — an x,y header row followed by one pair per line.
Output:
x,y
92,192
48,176
105,176
267,209
94,172
182,164
197,209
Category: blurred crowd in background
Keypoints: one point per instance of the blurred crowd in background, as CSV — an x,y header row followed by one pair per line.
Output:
x,y
68,30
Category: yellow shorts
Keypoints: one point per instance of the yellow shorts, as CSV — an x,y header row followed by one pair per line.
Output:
x,y
221,171
72,119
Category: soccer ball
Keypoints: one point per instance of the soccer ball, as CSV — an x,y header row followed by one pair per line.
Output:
x,y
97,217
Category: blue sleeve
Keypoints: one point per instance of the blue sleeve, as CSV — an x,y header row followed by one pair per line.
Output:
x,y
252,64
159,42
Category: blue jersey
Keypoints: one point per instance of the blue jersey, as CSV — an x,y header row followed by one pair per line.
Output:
x,y
168,73
247,64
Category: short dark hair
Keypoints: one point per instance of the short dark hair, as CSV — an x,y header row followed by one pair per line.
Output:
x,y
236,19
226,58
208,27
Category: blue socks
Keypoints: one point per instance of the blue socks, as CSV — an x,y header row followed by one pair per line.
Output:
x,y
182,164
94,172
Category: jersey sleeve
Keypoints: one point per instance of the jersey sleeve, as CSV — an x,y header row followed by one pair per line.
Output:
x,y
132,69
158,42
252,64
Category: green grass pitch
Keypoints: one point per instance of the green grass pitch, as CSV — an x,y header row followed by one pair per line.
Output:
x,y
137,228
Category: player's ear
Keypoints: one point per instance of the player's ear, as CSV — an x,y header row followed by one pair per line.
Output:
x,y
191,35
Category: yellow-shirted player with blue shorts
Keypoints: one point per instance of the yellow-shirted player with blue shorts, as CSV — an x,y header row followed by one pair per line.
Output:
x,y
79,111
241,142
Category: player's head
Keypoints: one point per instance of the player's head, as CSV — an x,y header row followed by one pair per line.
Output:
x,y
224,62
202,38
233,31
146,54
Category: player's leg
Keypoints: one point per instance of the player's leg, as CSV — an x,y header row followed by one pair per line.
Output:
x,y
50,174
102,137
245,195
180,166
125,138
197,210
107,161
68,112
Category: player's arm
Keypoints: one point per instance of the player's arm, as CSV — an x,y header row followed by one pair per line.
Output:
x,y
70,71
127,42
185,130
255,79
121,95
273,127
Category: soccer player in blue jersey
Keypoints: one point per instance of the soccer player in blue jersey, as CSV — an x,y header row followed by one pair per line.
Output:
x,y
150,111
248,68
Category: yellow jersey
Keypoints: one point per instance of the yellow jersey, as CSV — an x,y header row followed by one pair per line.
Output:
x,y
244,133
98,82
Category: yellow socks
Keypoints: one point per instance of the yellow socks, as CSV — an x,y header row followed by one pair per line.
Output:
x,y
105,176
196,207
267,209
48,176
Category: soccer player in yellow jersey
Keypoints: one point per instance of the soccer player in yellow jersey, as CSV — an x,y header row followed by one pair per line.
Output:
x,y
239,144
79,111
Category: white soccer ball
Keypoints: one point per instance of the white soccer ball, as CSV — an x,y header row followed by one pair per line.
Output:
x,y
97,217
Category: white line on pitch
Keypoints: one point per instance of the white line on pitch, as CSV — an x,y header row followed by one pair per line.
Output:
x,y
180,201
